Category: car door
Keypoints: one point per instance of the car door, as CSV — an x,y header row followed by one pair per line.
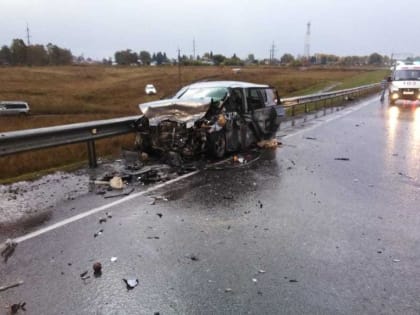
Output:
x,y
261,106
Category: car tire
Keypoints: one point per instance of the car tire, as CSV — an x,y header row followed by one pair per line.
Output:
x,y
217,144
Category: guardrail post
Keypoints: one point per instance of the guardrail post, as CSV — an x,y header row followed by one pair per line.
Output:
x,y
92,154
293,115
306,111
325,107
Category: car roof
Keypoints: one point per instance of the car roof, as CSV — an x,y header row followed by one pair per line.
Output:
x,y
13,102
227,84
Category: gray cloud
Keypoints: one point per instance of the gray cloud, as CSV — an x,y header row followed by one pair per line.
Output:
x,y
97,28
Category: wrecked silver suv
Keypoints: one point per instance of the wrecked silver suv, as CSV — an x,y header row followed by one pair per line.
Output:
x,y
214,117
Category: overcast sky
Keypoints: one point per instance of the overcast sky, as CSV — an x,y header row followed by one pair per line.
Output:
x,y
98,28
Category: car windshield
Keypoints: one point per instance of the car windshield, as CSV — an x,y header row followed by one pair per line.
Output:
x,y
401,75
216,93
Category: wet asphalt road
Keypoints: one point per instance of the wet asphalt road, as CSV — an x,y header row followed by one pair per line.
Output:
x,y
298,232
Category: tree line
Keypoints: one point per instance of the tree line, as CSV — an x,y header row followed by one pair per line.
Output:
x,y
19,54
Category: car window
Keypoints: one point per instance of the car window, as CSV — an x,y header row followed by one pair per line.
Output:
x,y
254,98
216,93
270,97
15,106
235,101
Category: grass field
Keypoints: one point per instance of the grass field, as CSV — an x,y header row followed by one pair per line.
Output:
x,y
61,95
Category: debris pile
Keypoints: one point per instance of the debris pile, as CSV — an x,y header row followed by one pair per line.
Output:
x,y
7,249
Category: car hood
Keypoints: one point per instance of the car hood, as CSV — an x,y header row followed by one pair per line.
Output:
x,y
175,110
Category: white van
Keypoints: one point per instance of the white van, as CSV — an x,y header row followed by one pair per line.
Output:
x,y
14,108
405,85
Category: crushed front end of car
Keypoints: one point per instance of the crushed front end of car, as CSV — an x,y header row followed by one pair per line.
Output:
x,y
182,126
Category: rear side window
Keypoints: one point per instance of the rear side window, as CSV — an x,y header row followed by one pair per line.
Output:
x,y
270,97
255,99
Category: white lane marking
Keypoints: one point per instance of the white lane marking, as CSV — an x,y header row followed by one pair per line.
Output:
x,y
99,209
141,193
345,112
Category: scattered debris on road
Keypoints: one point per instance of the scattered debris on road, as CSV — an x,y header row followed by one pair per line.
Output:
x,y
97,269
16,307
261,271
269,144
342,159
115,182
193,257
120,195
156,198
254,280
259,204
310,138
83,274
131,283
102,220
7,249
98,233
404,175
228,290
293,281
114,259
396,260
160,215
10,286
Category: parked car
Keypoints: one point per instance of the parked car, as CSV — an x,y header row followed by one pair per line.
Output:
x,y
14,108
214,117
150,89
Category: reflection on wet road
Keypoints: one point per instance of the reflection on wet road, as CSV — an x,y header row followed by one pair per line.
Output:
x,y
403,136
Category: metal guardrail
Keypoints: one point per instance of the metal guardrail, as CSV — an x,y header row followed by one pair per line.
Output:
x,y
33,139
41,138
293,103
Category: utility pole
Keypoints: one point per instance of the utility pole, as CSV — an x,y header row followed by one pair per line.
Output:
x,y
193,48
307,47
28,36
272,53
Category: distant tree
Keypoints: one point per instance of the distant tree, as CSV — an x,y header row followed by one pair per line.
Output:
x,y
218,59
37,55
145,57
18,52
126,57
160,58
375,59
5,55
58,56
287,58
107,61
233,61
251,59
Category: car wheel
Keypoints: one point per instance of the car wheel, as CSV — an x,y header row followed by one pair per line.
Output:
x,y
217,144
